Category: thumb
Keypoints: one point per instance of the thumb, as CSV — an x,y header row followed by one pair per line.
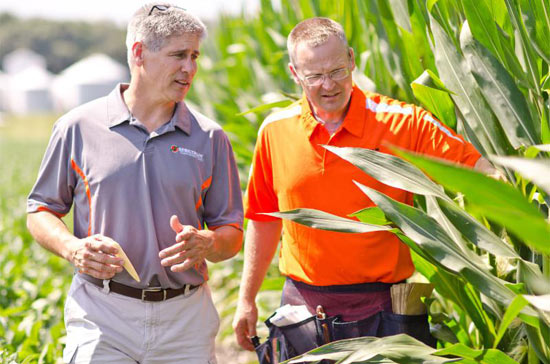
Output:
x,y
175,224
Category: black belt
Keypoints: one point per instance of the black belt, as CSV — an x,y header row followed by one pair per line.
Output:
x,y
152,294
345,288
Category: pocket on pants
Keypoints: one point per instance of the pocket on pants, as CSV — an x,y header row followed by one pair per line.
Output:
x,y
352,329
416,326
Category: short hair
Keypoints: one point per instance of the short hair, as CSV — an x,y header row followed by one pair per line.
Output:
x,y
153,23
313,31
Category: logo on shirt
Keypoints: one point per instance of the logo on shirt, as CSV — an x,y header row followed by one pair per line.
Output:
x,y
188,152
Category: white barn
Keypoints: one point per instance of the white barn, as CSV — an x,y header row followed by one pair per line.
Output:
x,y
90,78
20,59
28,91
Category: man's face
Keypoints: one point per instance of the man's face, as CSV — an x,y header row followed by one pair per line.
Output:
x,y
330,97
170,71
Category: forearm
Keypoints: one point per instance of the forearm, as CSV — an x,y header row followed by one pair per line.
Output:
x,y
227,241
261,243
50,232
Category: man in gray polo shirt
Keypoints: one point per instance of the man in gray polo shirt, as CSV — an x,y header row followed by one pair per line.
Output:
x,y
143,170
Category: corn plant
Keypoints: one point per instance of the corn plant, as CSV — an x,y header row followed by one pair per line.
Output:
x,y
482,67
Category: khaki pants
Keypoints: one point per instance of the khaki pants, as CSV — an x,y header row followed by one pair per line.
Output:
x,y
105,327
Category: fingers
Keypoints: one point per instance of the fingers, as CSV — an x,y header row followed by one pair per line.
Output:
x,y
101,243
175,224
244,325
94,256
191,247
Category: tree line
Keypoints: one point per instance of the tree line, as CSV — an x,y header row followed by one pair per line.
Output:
x,y
61,42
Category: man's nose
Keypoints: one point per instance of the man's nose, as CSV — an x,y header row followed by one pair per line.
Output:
x,y
187,65
328,82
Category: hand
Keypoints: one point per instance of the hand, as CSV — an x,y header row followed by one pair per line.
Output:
x,y
191,247
95,256
244,324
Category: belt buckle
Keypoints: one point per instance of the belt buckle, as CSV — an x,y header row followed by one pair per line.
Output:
x,y
153,289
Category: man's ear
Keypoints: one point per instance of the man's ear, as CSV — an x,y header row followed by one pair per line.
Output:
x,y
352,59
137,53
294,74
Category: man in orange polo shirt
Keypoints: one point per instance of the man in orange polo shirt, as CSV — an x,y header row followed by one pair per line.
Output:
x,y
347,274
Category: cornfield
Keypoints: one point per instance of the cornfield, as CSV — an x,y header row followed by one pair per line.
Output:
x,y
481,67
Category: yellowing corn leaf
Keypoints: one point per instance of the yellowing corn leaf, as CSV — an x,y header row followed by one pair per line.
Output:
x,y
127,264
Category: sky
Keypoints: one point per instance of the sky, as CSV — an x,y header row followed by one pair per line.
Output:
x,y
118,11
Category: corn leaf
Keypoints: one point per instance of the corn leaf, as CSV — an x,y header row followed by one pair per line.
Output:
x,y
455,73
398,348
494,199
389,169
487,356
325,221
436,101
500,91
535,170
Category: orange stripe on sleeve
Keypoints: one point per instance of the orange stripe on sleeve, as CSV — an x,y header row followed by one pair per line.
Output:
x,y
204,186
44,208
88,193
199,203
207,183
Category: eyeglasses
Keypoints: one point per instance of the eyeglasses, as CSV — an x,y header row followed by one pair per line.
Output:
x,y
318,79
163,8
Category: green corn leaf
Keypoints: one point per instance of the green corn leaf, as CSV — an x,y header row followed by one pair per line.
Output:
x,y
398,349
455,73
266,107
535,170
511,313
453,287
436,101
494,199
531,275
483,25
500,91
475,232
371,215
400,11
325,221
525,41
426,232
487,356
536,15
389,169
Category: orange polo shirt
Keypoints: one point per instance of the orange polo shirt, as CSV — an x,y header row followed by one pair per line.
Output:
x,y
291,170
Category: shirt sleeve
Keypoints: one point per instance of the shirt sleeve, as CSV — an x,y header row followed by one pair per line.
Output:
x,y
223,200
54,187
260,194
437,140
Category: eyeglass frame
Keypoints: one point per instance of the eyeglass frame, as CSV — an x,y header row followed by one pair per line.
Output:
x,y
163,8
322,76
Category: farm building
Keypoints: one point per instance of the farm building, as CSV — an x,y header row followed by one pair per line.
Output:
x,y
28,90
90,78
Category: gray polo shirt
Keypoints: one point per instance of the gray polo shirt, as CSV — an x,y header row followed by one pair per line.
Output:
x,y
125,182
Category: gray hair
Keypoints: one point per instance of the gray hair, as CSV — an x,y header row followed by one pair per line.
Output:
x,y
313,31
154,26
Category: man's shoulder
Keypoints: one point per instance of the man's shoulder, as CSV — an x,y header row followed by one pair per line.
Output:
x,y
204,122
289,113
378,103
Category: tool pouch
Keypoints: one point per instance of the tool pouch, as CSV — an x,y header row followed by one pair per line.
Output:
x,y
289,341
